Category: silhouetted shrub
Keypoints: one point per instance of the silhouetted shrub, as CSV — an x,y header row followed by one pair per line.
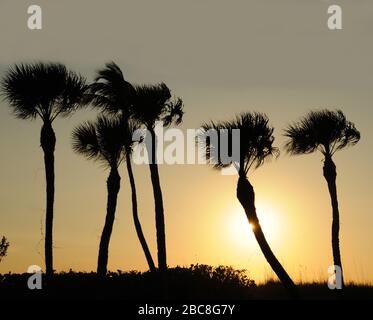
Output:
x,y
197,282
4,245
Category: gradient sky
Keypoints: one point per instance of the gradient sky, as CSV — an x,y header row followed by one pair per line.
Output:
x,y
222,58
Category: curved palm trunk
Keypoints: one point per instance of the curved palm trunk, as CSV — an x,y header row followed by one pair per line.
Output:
x,y
246,196
136,220
159,218
113,186
330,175
48,143
158,200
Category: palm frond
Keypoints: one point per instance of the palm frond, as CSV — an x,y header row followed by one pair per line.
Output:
x,y
44,89
208,139
111,138
173,112
324,130
256,140
85,141
111,92
150,103
72,96
103,140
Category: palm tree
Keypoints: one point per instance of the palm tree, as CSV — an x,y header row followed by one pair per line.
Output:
x,y
326,131
153,103
44,90
113,94
103,141
256,145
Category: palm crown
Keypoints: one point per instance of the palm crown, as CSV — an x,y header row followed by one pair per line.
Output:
x,y
105,140
153,103
43,89
110,91
324,130
256,140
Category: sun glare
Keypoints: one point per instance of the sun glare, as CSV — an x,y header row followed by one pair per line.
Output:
x,y
241,232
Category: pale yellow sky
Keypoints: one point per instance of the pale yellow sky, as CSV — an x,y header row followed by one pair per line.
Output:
x,y
222,58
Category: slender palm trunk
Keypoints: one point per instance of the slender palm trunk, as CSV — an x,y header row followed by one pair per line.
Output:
x,y
136,220
246,196
113,186
48,143
158,200
330,175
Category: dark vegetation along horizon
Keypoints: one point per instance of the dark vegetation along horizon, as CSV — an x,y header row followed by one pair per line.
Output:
x,y
50,90
197,282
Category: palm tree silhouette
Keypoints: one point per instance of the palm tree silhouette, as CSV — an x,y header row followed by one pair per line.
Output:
x,y
256,145
45,90
113,95
326,131
153,103
103,141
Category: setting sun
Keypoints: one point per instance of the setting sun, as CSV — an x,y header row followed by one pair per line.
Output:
x,y
240,232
